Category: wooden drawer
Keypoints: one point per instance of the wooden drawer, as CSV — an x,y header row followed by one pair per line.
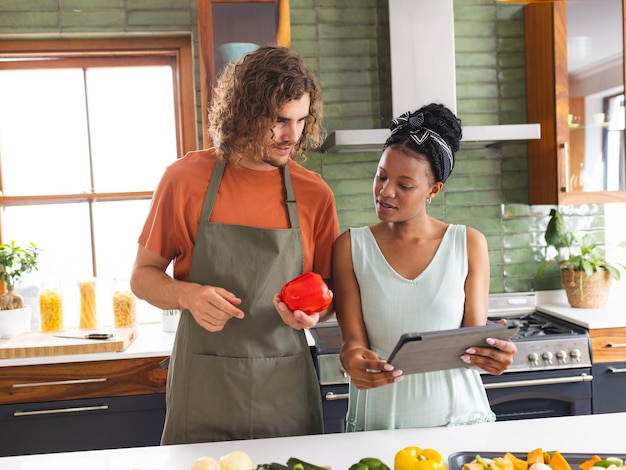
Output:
x,y
76,380
608,344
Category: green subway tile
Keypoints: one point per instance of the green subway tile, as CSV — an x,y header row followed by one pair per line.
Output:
x,y
156,4
21,5
91,5
87,19
304,33
350,187
160,18
470,197
28,19
466,29
340,33
475,14
346,18
480,45
472,75
469,212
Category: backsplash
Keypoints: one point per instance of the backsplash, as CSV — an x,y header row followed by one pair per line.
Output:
x,y
347,43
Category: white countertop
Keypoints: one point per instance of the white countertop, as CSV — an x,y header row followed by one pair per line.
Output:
x,y
613,315
594,434
151,341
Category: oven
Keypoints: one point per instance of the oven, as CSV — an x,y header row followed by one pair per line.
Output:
x,y
551,373
332,377
550,376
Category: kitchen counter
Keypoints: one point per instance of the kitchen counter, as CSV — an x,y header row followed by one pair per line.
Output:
x,y
613,315
151,341
601,434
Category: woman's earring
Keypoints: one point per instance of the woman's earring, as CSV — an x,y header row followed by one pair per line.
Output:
x,y
429,199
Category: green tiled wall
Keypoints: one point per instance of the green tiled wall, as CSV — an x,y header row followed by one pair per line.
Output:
x,y
347,44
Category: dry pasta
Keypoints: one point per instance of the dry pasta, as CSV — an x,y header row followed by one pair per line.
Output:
x,y
123,308
51,310
87,304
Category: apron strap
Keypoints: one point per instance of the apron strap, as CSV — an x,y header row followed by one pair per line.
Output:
x,y
214,184
290,199
211,192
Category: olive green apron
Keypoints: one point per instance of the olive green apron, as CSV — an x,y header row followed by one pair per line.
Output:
x,y
255,378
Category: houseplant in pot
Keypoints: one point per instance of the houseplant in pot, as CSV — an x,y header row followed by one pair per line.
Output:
x,y
586,274
14,263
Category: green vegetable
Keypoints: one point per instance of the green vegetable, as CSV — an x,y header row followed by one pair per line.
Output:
x,y
369,463
297,464
272,466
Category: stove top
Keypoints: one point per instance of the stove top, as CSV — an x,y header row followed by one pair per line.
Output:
x,y
543,342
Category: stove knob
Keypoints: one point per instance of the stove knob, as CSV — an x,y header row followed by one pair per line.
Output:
x,y
547,357
575,355
561,356
533,358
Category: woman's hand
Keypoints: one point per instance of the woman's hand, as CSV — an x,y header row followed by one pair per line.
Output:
x,y
495,359
366,370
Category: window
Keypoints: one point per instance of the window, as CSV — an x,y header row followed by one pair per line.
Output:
x,y
86,130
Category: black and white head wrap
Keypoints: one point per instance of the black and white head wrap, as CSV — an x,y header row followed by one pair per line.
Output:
x,y
410,127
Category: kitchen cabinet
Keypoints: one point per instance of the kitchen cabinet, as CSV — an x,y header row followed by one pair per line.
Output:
x,y
81,405
608,347
261,22
581,111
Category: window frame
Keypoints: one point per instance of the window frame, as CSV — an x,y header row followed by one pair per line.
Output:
x,y
175,51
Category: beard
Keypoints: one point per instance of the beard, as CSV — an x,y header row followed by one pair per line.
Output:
x,y
271,155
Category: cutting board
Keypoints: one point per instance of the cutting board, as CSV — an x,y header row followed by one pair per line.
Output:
x,y
37,343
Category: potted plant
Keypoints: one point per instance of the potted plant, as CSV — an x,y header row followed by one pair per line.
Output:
x,y
14,263
586,274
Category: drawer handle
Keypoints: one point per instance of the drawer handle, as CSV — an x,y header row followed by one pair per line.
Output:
x,y
331,396
616,370
60,410
616,345
61,382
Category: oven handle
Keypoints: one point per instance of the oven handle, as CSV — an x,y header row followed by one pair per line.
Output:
x,y
526,383
331,396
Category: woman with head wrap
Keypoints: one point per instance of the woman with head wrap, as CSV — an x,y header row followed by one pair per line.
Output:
x,y
411,272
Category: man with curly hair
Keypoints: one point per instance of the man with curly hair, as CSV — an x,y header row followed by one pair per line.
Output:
x,y
239,220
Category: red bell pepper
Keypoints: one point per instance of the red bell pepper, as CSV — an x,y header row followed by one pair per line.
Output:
x,y
307,292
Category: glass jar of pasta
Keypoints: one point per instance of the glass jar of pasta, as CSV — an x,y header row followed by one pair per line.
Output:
x,y
124,313
87,291
51,306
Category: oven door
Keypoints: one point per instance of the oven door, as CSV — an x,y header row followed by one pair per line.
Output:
x,y
541,394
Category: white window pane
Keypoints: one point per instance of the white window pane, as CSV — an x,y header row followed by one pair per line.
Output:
x,y
60,230
116,229
117,226
43,132
133,127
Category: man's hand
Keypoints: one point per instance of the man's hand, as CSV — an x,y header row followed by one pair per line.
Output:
x,y
211,306
296,319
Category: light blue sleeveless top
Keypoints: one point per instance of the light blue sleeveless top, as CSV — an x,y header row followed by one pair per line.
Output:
x,y
393,305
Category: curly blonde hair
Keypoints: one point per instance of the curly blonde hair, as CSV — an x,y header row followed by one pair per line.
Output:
x,y
248,97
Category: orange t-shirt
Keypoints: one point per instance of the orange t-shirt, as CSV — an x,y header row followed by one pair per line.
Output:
x,y
245,197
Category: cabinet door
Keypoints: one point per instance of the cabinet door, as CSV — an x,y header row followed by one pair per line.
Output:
x,y
575,90
73,425
609,381
220,22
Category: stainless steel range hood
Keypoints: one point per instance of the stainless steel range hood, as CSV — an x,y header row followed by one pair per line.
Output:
x,y
423,71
